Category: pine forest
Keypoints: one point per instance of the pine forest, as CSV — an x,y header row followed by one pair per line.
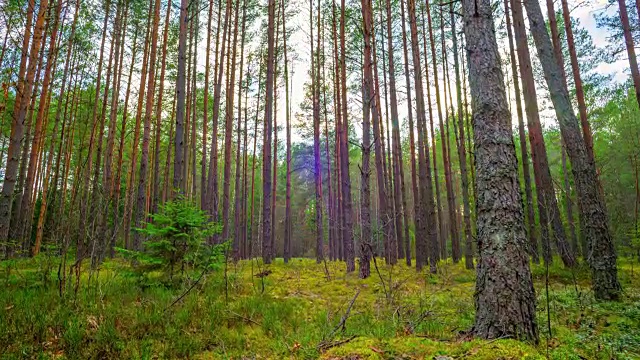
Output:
x,y
319,179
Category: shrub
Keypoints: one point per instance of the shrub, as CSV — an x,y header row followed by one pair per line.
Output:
x,y
176,236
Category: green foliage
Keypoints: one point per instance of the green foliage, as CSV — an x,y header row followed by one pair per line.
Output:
x,y
176,237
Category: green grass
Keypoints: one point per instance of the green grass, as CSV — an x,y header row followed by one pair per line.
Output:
x,y
115,315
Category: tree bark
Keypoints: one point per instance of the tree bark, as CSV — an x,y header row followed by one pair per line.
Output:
x,y
24,89
593,213
631,50
441,234
144,158
504,298
347,235
426,234
577,80
530,215
267,251
412,146
398,177
548,209
178,159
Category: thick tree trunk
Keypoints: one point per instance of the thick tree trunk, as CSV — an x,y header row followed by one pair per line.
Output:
x,y
504,298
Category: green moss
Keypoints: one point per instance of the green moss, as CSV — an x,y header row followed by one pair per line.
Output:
x,y
398,313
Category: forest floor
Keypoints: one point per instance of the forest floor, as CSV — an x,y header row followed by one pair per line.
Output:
x,y
297,312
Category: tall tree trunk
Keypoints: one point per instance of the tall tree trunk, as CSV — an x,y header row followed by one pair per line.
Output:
x,y
123,124
144,158
128,212
412,146
205,112
631,50
504,298
158,125
38,137
330,198
446,155
368,104
371,94
548,209
237,234
569,203
212,177
267,251
228,133
81,250
178,160
315,89
577,80
462,149
120,35
47,183
531,226
426,234
593,213
194,99
337,109
441,234
287,217
398,177
253,161
24,89
347,235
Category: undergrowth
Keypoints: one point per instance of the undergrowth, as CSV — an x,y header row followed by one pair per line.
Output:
x,y
295,311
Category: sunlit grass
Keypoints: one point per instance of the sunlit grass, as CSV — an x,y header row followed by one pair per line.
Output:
x,y
294,312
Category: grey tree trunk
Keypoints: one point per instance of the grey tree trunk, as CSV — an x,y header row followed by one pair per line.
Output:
x,y
504,298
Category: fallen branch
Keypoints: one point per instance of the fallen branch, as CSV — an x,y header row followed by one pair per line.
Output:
x,y
343,320
189,289
244,318
324,346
